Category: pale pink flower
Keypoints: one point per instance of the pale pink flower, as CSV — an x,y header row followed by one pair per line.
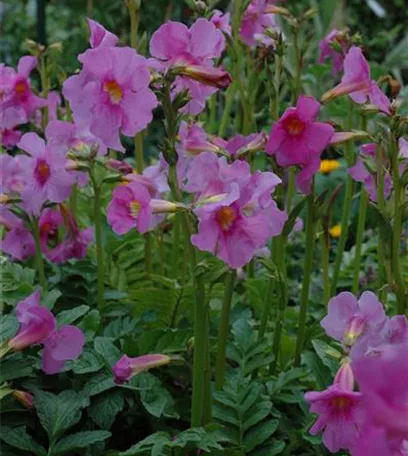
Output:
x,y
256,20
99,36
327,50
221,21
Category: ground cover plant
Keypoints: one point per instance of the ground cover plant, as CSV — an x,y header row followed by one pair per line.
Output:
x,y
244,291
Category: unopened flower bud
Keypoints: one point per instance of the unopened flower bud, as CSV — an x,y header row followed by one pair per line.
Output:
x,y
395,87
120,166
344,136
4,199
273,9
345,377
25,398
164,207
214,77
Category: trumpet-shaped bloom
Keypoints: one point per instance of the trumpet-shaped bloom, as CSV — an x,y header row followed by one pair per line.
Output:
x,y
12,173
350,320
221,21
18,241
130,208
361,174
255,22
17,101
298,140
339,410
47,179
127,367
236,209
174,45
111,94
357,82
328,52
38,326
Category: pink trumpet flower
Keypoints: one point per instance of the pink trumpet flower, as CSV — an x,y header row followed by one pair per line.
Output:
x,y
327,50
127,367
99,36
298,140
357,83
339,410
221,21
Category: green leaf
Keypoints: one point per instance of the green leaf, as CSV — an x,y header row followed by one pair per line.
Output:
x,y
18,438
12,368
99,383
294,214
321,372
70,316
107,349
329,356
79,440
105,407
120,327
256,414
88,362
385,229
90,323
49,299
271,450
57,413
8,327
259,434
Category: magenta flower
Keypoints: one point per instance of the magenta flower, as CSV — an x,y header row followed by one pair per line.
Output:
x,y
37,326
298,140
99,36
111,94
327,50
360,173
18,241
373,441
17,101
126,367
37,323
9,137
130,208
339,410
234,211
240,144
62,345
255,21
53,101
350,320
174,45
47,179
357,83
221,21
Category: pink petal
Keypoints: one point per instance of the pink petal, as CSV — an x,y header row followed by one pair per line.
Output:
x,y
26,65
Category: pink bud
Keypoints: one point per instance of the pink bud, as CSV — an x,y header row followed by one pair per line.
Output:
x,y
214,77
25,398
163,207
345,377
128,367
120,166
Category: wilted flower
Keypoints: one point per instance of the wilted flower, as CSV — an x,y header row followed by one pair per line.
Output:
x,y
298,140
127,367
327,50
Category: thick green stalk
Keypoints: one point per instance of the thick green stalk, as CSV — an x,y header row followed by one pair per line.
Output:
x,y
44,90
38,254
277,83
175,252
291,189
346,211
362,213
397,228
298,57
325,266
223,330
98,242
229,100
307,273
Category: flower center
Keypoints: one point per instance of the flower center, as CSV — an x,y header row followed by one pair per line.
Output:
x,y
42,171
114,91
20,88
226,217
294,126
340,402
135,208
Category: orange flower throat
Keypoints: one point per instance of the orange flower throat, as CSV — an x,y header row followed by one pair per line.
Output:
x,y
114,91
226,217
294,126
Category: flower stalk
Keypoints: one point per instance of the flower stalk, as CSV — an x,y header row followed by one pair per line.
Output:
x,y
38,253
359,239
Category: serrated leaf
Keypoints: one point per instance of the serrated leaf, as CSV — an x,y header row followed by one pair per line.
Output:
x,y
120,327
57,413
67,317
256,414
98,384
259,434
329,356
107,349
88,362
79,440
18,438
8,327
12,368
49,299
105,407
271,450
321,372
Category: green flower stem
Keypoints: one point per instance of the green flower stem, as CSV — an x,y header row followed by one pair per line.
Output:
x,y
397,228
325,241
223,330
175,252
346,211
291,189
44,90
307,273
298,57
384,268
280,255
229,100
100,271
362,213
38,254
277,83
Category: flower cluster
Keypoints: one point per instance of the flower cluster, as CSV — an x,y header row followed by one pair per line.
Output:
x,y
372,420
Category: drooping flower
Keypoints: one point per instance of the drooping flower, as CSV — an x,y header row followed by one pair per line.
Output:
x,y
38,326
37,323
17,101
327,49
47,178
187,50
111,94
360,173
298,140
256,20
357,83
350,320
99,36
233,211
339,410
221,21
127,367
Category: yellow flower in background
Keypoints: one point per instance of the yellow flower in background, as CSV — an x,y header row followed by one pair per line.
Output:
x,y
335,231
328,166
